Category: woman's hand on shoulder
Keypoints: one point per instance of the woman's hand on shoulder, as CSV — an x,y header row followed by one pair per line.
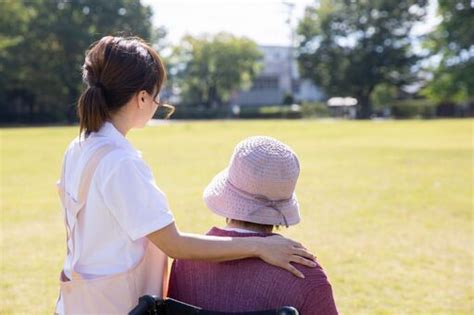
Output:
x,y
281,252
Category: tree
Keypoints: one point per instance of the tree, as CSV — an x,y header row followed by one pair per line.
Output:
x,y
209,68
453,41
349,47
382,96
42,50
14,19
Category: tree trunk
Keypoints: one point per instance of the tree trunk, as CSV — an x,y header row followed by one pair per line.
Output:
x,y
213,97
364,107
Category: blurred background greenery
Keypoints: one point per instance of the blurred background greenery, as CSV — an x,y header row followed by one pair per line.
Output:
x,y
366,50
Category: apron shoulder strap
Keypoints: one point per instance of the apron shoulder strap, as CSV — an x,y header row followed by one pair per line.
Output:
x,y
84,186
89,171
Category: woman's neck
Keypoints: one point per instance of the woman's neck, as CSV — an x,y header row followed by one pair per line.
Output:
x,y
121,123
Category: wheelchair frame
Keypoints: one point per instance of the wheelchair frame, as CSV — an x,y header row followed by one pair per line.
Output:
x,y
153,305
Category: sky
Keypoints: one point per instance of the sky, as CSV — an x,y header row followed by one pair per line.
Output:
x,y
261,20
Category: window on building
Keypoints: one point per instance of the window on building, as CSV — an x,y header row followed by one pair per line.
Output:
x,y
265,82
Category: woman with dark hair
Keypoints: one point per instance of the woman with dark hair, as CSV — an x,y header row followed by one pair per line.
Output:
x,y
119,226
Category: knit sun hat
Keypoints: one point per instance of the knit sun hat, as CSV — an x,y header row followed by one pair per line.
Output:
x,y
258,186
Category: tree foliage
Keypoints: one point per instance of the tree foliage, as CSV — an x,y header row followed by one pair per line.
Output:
x,y
208,69
383,95
42,45
453,41
349,47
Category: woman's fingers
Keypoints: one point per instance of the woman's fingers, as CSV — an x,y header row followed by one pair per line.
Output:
x,y
303,261
294,271
303,253
282,252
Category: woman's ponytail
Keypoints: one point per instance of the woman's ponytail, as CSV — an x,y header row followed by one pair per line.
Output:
x,y
92,109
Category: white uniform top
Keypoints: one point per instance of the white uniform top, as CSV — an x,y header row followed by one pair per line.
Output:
x,y
124,204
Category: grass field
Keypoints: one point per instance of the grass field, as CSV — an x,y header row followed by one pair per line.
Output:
x,y
387,206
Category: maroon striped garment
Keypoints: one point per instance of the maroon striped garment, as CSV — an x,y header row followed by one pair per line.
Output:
x,y
249,285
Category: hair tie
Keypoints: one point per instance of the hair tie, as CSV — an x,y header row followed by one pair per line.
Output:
x,y
99,85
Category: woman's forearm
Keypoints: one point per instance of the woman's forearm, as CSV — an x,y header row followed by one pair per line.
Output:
x,y
202,247
213,248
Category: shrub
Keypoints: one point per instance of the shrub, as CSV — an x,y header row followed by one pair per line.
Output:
x,y
288,99
415,108
316,109
271,112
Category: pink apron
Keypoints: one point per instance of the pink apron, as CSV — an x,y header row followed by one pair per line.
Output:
x,y
111,294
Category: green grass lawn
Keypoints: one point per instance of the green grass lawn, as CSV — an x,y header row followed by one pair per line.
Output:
x,y
386,206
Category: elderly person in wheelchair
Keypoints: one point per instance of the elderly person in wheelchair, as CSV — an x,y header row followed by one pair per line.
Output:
x,y
255,194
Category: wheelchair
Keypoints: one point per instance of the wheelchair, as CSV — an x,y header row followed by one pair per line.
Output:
x,y
153,305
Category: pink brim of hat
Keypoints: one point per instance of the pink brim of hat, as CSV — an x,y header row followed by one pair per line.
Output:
x,y
221,199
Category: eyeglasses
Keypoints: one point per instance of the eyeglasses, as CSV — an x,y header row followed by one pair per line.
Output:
x,y
167,108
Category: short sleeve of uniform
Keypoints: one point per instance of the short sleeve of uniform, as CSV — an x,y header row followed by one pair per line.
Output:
x,y
131,194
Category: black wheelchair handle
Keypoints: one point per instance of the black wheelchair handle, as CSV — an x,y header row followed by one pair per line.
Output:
x,y
287,310
145,303
150,304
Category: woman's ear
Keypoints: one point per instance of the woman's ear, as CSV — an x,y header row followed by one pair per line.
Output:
x,y
142,98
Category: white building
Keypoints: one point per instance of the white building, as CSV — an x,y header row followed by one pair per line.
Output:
x,y
278,77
